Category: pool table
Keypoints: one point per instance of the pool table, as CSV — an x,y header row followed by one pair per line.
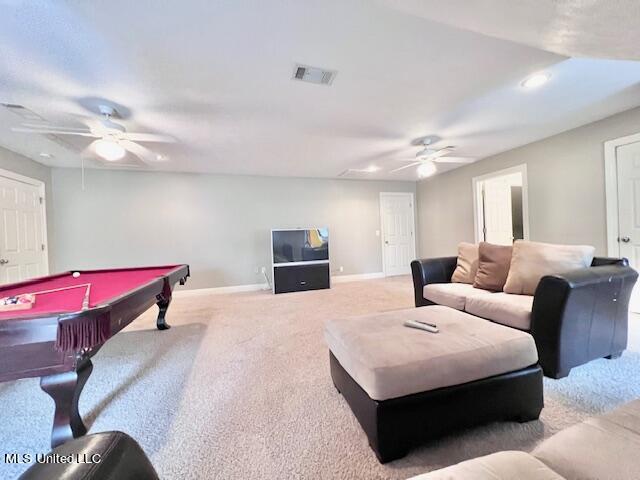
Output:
x,y
68,323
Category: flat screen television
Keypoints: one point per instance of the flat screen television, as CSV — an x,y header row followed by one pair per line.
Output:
x,y
301,245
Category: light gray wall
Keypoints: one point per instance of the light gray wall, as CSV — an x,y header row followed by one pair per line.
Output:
x,y
220,225
17,163
566,189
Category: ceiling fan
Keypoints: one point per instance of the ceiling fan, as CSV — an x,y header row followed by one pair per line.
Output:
x,y
112,139
428,156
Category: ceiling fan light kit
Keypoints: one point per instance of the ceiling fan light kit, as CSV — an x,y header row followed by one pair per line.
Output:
x,y
109,150
426,169
429,155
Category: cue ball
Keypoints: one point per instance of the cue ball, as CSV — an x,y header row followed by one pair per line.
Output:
x,y
76,274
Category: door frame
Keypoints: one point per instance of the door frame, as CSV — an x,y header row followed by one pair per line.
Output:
x,y
611,189
413,222
43,194
478,222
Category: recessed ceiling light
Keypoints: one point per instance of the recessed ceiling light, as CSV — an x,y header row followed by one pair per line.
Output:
x,y
46,155
536,80
426,169
372,168
109,150
161,158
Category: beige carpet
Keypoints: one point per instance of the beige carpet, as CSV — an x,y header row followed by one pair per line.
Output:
x,y
240,389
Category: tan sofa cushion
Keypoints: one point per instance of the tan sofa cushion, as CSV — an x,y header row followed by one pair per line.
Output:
x,y
389,360
493,266
505,308
530,261
601,447
467,263
452,295
509,465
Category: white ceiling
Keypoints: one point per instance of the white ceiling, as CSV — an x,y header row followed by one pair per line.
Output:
x,y
575,28
217,76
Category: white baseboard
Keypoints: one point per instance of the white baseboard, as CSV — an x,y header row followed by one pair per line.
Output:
x,y
263,286
357,277
222,290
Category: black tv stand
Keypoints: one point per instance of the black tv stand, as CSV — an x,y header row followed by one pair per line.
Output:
x,y
300,276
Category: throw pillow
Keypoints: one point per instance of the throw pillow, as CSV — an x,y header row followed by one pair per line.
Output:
x,y
493,266
467,264
530,261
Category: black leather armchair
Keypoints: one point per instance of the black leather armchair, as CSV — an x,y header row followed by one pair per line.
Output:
x,y
101,456
576,317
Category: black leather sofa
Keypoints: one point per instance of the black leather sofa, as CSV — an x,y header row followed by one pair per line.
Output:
x,y
576,317
101,456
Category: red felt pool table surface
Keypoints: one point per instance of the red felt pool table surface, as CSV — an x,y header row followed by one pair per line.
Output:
x,y
56,339
105,285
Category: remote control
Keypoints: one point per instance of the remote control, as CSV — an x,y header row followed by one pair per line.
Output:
x,y
421,326
427,323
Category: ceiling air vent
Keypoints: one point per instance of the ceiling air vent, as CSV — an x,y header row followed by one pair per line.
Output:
x,y
313,74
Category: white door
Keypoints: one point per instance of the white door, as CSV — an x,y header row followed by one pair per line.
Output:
x,y
22,254
498,223
628,165
398,239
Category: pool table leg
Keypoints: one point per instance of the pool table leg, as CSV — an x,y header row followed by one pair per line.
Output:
x,y
163,305
65,389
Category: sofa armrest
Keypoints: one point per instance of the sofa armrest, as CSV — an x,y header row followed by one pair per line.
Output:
x,y
431,270
599,261
581,315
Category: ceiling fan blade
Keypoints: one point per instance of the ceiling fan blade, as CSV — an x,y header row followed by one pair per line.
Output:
x,y
54,131
409,159
54,127
440,153
429,152
454,160
89,151
149,137
143,153
406,166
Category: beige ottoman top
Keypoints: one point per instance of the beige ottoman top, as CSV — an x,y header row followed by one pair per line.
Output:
x,y
389,360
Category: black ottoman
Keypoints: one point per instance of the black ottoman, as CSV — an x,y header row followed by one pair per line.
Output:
x,y
406,386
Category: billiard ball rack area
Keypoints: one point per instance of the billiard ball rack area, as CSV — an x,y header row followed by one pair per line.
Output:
x,y
8,303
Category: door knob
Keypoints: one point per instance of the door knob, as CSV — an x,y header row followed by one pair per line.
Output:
x,y
3,261
625,239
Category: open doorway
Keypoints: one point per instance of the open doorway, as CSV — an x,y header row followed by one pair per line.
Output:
x,y
500,206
